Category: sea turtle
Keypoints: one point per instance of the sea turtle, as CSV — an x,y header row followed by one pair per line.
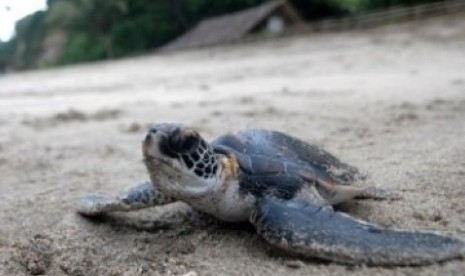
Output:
x,y
282,185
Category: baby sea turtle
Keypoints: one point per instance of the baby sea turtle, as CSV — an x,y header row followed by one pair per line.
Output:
x,y
282,185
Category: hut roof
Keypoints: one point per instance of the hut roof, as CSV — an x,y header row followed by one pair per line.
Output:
x,y
230,27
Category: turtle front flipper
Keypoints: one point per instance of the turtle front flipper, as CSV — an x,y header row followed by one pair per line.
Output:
x,y
138,197
315,231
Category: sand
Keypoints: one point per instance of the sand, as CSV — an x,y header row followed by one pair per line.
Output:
x,y
389,100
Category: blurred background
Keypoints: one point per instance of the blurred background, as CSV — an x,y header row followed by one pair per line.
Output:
x,y
380,84
40,34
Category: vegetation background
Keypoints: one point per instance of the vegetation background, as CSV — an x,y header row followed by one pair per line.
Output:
x,y
101,29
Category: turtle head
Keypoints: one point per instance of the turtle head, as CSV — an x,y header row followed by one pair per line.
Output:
x,y
179,157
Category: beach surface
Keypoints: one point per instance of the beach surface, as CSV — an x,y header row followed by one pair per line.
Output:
x,y
389,100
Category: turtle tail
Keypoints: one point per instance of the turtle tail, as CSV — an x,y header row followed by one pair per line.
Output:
x,y
315,231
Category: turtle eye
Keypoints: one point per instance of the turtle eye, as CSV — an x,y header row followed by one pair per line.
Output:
x,y
184,141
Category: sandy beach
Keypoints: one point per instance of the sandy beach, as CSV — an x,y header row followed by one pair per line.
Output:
x,y
389,100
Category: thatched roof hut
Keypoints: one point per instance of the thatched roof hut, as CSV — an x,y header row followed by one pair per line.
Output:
x,y
273,16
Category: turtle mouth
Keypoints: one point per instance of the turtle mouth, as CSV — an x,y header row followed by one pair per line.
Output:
x,y
149,159
172,177
158,164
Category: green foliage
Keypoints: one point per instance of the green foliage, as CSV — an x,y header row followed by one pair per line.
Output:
x,y
102,29
365,5
197,9
90,17
312,10
99,15
30,32
7,51
83,47
62,14
128,38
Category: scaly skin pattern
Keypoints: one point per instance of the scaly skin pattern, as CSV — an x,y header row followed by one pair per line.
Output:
x,y
138,197
284,186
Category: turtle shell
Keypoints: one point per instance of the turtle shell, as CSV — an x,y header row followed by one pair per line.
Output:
x,y
277,155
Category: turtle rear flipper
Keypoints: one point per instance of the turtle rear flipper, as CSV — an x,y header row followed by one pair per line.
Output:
x,y
315,231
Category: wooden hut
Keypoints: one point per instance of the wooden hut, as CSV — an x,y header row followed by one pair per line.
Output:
x,y
272,17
